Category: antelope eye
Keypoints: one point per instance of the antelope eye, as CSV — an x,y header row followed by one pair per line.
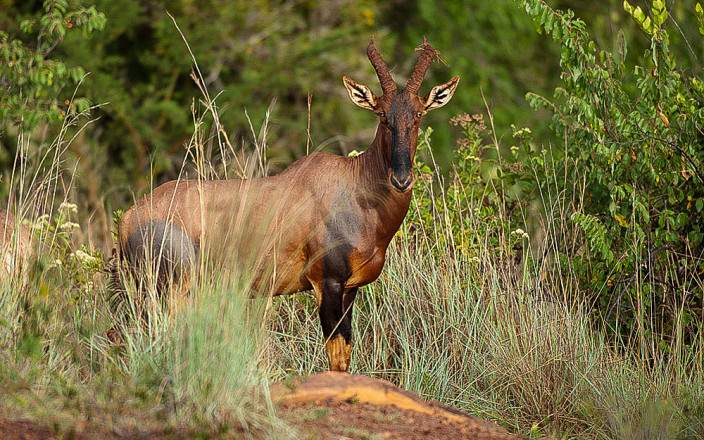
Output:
x,y
382,114
419,114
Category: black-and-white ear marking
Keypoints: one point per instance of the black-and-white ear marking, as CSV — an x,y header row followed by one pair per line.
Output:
x,y
440,95
360,94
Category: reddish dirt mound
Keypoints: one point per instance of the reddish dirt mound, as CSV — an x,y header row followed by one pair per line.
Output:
x,y
341,406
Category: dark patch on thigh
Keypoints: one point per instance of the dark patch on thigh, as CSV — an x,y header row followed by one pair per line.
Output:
x,y
162,243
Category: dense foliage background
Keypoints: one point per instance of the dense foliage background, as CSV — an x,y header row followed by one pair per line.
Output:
x,y
259,52
255,53
570,160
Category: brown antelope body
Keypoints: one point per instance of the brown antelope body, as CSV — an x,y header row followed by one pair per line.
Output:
x,y
323,224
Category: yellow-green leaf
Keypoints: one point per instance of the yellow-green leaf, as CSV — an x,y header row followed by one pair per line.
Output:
x,y
621,220
627,7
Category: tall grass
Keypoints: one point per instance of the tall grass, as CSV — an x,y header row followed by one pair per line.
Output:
x,y
75,346
513,341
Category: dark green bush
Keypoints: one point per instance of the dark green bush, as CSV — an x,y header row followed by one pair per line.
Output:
x,y
630,138
622,177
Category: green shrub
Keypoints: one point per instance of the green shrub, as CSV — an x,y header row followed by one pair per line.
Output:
x,y
632,155
31,78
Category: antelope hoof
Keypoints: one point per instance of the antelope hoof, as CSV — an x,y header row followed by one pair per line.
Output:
x,y
339,353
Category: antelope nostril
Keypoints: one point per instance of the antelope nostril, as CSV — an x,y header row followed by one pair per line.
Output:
x,y
401,185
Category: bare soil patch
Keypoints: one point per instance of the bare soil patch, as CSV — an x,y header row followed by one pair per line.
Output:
x,y
342,406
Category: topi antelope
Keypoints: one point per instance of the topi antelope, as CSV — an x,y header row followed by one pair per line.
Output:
x,y
323,224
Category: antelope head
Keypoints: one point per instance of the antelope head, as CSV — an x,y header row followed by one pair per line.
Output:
x,y
400,111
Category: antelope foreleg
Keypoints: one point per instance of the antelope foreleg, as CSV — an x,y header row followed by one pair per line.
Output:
x,y
339,352
336,320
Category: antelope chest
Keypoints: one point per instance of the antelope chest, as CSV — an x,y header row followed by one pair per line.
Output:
x,y
365,266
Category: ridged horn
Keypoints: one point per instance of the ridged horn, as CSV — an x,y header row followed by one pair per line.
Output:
x,y
427,54
388,85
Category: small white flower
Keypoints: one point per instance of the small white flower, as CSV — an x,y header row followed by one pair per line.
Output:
x,y
522,132
520,233
84,257
42,221
69,225
67,206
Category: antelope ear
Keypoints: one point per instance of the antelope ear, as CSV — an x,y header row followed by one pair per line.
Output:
x,y
440,95
360,94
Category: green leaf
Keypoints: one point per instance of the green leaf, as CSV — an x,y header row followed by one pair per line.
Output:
x,y
27,26
628,7
659,11
639,15
647,25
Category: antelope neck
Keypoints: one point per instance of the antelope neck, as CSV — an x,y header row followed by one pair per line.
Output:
x,y
377,159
